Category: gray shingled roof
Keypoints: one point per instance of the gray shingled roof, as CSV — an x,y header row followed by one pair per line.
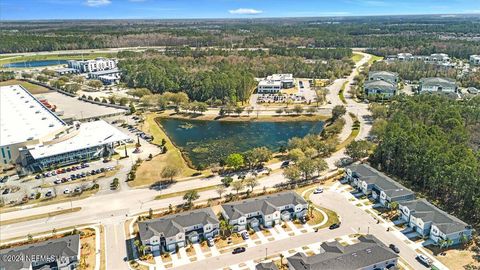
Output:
x,y
385,183
266,204
384,75
430,213
334,256
62,247
444,82
171,225
383,86
266,266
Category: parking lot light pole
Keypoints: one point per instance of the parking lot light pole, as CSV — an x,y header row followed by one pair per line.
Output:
x,y
266,250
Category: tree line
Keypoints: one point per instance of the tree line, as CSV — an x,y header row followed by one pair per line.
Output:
x,y
431,143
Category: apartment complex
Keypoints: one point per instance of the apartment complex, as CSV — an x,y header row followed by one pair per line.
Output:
x,y
87,66
368,254
175,231
264,211
436,58
59,254
437,84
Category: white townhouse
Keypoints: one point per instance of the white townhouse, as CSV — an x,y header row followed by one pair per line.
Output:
x,y
265,211
377,185
167,233
429,221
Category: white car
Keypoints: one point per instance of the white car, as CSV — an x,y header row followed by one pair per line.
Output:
x,y
318,190
424,260
67,191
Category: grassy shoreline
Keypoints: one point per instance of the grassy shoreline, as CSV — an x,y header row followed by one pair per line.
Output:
x,y
251,118
71,56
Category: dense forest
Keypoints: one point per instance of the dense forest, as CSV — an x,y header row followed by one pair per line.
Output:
x,y
382,35
415,70
432,143
218,77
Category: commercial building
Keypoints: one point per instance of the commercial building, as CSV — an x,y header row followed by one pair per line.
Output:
x,y
429,221
24,121
59,254
266,211
33,138
81,142
368,253
274,83
475,60
169,232
437,84
87,66
110,76
377,185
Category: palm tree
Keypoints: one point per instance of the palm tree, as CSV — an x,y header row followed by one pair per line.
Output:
x,y
190,196
393,207
225,226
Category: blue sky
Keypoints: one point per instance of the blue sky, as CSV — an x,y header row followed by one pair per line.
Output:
x,y
168,9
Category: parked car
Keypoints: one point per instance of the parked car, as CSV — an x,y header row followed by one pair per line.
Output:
x,y
210,242
32,196
285,164
73,177
394,248
77,190
238,250
57,181
67,191
6,191
38,176
424,260
245,235
4,179
334,226
49,194
318,190
64,179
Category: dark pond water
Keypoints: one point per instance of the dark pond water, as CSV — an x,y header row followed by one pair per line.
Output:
x,y
39,63
207,142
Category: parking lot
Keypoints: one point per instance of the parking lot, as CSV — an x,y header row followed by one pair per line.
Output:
x,y
77,109
302,94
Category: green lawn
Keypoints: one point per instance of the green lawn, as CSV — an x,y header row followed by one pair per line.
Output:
x,y
32,88
150,171
356,57
374,58
341,93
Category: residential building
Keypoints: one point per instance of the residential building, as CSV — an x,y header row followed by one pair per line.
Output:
x,y
475,60
266,266
264,211
436,84
381,83
59,254
436,58
274,83
429,221
81,142
24,121
368,254
377,185
172,231
87,66
390,77
380,88
65,71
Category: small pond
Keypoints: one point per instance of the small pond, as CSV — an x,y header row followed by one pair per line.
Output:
x,y
39,63
208,142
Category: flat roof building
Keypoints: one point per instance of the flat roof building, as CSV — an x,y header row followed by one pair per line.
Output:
x,y
24,120
60,253
274,83
87,66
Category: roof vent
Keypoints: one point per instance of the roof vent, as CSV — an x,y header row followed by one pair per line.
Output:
x,y
369,250
354,254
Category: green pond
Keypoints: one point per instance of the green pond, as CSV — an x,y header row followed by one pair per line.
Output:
x,y
208,142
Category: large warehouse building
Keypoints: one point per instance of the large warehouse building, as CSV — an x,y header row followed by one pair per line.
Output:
x,y
33,138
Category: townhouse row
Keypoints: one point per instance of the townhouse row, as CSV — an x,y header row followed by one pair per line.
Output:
x,y
419,215
170,232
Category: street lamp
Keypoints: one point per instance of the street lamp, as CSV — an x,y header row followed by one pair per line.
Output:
x,y
266,250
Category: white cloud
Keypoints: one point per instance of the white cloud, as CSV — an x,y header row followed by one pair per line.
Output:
x,y
245,11
97,3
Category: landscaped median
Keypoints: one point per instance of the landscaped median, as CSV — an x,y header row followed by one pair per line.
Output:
x,y
39,216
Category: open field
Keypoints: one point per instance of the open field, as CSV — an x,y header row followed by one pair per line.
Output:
x,y
150,172
32,88
356,57
74,56
455,258
373,59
